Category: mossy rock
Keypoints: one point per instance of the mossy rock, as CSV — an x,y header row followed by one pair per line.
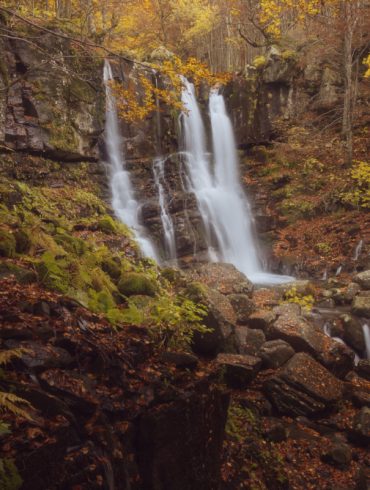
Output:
x,y
7,244
23,241
9,476
173,276
22,275
106,224
196,291
71,243
135,283
51,273
112,267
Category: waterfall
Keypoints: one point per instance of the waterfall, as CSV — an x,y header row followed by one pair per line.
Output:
x,y
358,250
223,206
167,224
366,330
124,204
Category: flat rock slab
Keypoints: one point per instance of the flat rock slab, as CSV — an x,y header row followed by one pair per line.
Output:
x,y
303,387
239,370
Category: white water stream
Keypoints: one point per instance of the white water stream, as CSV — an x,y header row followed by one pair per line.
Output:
x,y
167,224
124,204
366,331
223,206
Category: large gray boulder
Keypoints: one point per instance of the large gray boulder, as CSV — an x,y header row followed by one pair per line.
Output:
x,y
361,306
303,387
224,278
275,353
303,336
363,279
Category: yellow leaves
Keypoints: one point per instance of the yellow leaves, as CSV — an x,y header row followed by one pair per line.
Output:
x,y
367,63
137,101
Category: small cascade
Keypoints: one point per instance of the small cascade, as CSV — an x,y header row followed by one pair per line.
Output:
x,y
124,204
167,224
325,275
223,206
358,250
339,270
366,330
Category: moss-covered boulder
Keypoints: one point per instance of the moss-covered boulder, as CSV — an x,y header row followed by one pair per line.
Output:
x,y
7,244
23,241
112,267
70,243
135,283
22,275
106,224
51,273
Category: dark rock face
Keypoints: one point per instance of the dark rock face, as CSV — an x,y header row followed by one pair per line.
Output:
x,y
50,108
303,387
164,444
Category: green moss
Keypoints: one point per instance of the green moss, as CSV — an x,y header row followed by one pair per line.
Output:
x,y
23,276
7,244
112,267
106,224
134,283
196,291
9,476
173,276
70,243
23,241
62,135
51,273
80,91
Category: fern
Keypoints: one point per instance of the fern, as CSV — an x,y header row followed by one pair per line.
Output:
x,y
8,355
8,401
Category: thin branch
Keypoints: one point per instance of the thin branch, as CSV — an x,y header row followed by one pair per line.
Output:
x,y
71,38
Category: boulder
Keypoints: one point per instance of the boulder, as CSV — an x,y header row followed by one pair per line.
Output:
x,y
275,353
249,341
243,307
357,389
182,360
361,306
303,387
303,336
261,319
363,279
363,368
352,333
220,320
338,454
224,278
360,431
40,356
238,370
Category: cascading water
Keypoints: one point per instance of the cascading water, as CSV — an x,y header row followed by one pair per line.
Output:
x,y
167,224
124,204
221,201
366,331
